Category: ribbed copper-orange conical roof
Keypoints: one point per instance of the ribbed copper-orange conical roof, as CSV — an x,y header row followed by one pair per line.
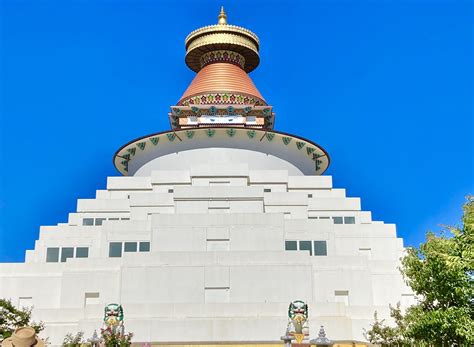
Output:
x,y
222,55
222,78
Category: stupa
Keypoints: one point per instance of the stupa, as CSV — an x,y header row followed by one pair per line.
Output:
x,y
214,228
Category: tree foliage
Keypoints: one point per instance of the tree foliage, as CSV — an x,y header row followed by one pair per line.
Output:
x,y
12,318
441,274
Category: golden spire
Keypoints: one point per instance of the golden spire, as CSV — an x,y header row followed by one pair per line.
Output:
x,y
222,17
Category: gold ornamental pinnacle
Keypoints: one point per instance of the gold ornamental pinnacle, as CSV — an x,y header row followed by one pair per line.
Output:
x,y
222,19
222,36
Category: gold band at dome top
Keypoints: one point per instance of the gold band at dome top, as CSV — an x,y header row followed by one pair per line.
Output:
x,y
222,38
210,29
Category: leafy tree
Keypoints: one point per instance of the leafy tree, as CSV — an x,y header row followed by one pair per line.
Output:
x,y
12,318
441,274
385,335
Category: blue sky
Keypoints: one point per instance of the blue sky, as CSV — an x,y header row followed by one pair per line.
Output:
x,y
384,86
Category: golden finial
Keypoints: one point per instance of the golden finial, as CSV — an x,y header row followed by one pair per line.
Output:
x,y
222,17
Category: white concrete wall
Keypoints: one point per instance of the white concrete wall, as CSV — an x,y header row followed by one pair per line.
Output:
x,y
217,269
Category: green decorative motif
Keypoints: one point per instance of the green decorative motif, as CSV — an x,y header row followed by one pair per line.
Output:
x,y
131,150
171,136
230,109
210,132
310,150
125,169
212,110
154,140
195,109
300,145
231,132
124,162
267,112
270,136
286,140
297,319
189,134
141,145
247,109
176,110
113,315
251,134
126,156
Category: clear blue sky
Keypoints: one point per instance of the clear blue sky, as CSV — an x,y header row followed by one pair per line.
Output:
x,y
384,86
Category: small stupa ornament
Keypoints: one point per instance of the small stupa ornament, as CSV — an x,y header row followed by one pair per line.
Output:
x,y
321,340
222,19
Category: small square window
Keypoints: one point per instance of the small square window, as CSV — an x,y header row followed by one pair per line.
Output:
x,y
267,190
82,252
290,246
25,301
115,249
170,190
88,221
310,195
98,221
144,246
66,253
130,247
52,255
320,248
341,296
337,220
349,220
306,246
91,299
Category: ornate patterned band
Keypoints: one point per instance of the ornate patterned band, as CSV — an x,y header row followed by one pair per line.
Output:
x,y
222,98
222,56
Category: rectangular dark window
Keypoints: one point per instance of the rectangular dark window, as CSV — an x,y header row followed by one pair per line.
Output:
x,y
113,218
88,221
66,253
324,218
144,246
291,246
125,218
267,190
98,221
306,246
130,247
52,254
310,195
320,248
82,252
170,190
349,220
115,249
337,220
